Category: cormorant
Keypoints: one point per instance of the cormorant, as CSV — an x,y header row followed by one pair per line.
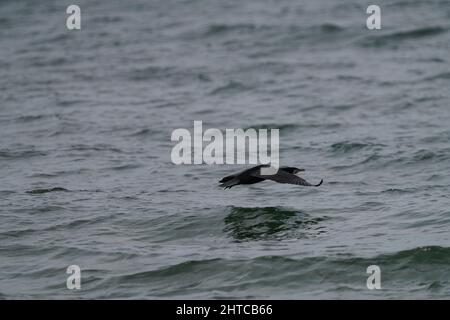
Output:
x,y
253,175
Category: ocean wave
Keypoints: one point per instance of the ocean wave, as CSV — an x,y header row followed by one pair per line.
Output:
x,y
313,31
395,37
31,118
47,190
256,276
232,87
283,127
7,192
377,160
348,147
294,31
95,147
329,28
128,166
21,154
272,223
221,29
439,76
399,190
423,156
169,74
41,62
144,132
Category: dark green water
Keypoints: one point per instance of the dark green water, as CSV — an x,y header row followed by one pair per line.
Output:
x,y
86,178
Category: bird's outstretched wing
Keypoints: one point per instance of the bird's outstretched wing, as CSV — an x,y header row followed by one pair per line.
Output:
x,y
286,177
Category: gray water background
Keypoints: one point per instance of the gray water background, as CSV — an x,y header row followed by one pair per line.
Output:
x,y
92,111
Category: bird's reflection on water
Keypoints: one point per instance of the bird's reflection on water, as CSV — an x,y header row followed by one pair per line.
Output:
x,y
271,223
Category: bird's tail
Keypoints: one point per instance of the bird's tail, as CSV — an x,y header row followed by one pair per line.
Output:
x,y
227,179
229,183
321,181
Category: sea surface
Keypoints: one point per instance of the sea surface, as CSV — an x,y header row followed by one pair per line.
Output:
x,y
86,118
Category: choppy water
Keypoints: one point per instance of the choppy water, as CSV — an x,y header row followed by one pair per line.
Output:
x,y
86,177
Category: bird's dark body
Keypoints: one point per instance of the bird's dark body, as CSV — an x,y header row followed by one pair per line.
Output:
x,y
244,177
252,175
252,180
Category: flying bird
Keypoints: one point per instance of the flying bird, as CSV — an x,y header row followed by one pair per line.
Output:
x,y
253,175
